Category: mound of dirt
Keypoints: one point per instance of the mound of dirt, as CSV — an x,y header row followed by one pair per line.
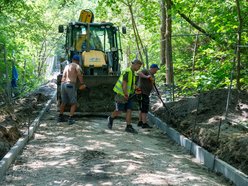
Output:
x,y
208,121
17,116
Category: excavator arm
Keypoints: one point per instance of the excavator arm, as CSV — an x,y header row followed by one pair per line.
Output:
x,y
86,16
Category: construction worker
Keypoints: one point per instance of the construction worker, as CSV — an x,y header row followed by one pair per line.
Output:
x,y
71,72
124,88
145,83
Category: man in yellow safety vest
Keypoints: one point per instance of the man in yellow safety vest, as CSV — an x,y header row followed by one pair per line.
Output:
x,y
124,87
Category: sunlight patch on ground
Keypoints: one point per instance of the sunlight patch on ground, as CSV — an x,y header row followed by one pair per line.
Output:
x,y
138,155
92,144
125,161
132,168
36,165
151,179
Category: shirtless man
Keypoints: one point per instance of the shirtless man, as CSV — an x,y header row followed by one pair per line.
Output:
x,y
71,72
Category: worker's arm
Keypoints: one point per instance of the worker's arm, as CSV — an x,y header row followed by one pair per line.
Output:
x,y
80,77
124,88
80,74
125,84
143,75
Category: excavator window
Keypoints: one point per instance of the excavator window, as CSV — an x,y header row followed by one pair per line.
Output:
x,y
96,42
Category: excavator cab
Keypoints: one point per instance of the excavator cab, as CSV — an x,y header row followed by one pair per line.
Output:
x,y
97,44
99,47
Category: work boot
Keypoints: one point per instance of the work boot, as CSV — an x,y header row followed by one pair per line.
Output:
x,y
110,122
130,129
71,120
140,123
61,118
145,125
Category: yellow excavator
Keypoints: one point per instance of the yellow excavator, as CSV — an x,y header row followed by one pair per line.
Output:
x,y
99,47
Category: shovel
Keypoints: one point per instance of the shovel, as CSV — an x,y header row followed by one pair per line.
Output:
x,y
159,96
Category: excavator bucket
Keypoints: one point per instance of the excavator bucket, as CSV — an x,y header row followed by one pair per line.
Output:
x,y
98,97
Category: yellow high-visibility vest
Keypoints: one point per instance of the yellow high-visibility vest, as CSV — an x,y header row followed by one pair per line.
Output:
x,y
130,85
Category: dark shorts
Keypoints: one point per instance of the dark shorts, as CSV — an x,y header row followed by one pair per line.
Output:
x,y
68,93
124,106
144,103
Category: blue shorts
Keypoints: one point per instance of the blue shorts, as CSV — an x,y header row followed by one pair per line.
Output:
x,y
68,93
124,106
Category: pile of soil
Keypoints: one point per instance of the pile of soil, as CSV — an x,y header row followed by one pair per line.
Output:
x,y
208,121
15,118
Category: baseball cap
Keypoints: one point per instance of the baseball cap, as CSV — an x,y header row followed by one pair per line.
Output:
x,y
136,61
154,66
75,57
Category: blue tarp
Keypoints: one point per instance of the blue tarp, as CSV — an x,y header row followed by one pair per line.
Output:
x,y
14,77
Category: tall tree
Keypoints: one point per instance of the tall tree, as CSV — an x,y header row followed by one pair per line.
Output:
x,y
163,31
239,38
169,63
138,40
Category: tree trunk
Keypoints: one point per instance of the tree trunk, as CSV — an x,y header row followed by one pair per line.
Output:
x,y
8,83
136,34
169,63
194,53
239,37
162,30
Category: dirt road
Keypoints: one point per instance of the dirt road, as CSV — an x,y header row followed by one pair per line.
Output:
x,y
87,153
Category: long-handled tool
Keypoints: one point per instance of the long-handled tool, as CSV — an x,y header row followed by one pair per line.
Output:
x,y
159,96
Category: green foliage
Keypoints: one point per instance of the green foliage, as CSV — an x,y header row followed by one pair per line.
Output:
x,y
213,57
29,29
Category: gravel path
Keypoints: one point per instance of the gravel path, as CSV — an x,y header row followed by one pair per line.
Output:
x,y
87,153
